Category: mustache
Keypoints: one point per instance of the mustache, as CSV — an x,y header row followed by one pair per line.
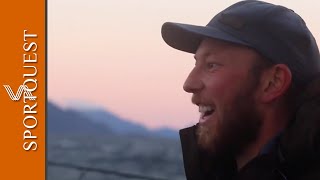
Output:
x,y
196,99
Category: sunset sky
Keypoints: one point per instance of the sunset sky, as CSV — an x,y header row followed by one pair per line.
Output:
x,y
109,53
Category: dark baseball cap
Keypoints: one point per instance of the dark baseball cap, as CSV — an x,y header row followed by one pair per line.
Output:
x,y
276,32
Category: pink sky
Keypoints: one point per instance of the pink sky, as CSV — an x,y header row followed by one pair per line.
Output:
x,y
111,54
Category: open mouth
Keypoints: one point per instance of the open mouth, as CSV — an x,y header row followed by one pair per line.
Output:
x,y
206,112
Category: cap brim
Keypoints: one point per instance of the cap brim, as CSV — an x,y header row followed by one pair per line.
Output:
x,y
187,37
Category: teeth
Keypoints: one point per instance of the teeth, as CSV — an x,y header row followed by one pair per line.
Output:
x,y
203,109
204,112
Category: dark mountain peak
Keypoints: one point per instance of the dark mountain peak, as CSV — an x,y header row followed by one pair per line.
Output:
x,y
98,120
70,122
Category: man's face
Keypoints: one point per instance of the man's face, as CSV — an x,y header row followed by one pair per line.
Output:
x,y
224,88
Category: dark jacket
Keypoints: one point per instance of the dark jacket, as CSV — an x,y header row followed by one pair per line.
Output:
x,y
295,156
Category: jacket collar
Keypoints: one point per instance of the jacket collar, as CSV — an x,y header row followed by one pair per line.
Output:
x,y
199,165
300,144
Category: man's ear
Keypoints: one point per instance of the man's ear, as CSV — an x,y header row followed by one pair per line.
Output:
x,y
275,82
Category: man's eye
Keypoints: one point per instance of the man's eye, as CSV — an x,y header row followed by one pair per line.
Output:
x,y
212,66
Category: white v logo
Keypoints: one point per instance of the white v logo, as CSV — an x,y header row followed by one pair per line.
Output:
x,y
17,96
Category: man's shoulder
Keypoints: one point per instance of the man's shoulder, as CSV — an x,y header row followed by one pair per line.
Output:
x,y
268,167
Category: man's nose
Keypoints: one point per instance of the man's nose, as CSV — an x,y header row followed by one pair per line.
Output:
x,y
193,82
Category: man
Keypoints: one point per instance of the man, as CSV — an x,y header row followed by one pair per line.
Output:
x,y
255,84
